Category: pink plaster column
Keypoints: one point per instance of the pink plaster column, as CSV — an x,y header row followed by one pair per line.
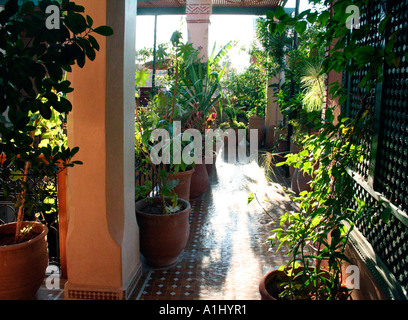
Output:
x,y
103,259
198,14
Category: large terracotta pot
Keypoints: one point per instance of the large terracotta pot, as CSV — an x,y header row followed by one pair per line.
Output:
x,y
301,180
23,265
199,180
257,123
184,181
162,236
210,163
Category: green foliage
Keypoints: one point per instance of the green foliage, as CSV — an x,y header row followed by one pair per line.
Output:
x,y
328,157
276,47
247,90
141,77
33,86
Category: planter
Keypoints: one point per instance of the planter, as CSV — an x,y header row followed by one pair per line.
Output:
x,y
269,284
257,123
162,236
227,140
300,181
282,146
199,180
184,181
23,265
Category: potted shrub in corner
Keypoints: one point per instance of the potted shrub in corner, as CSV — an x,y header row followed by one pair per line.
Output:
x,y
33,64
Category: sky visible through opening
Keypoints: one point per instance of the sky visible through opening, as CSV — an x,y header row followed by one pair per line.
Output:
x,y
224,28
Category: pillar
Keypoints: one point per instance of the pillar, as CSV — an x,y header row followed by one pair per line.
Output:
x,y
103,260
198,14
273,115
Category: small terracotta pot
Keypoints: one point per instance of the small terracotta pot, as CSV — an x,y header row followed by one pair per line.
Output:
x,y
264,283
199,180
23,265
267,290
184,181
162,236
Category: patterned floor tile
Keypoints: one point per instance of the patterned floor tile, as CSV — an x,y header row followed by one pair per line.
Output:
x,y
227,252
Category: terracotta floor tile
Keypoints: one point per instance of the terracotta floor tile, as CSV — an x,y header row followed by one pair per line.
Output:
x,y
227,252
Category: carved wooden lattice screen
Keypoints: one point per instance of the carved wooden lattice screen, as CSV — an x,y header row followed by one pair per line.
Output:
x,y
383,175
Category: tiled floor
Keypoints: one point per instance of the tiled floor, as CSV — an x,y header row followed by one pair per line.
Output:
x,y
227,252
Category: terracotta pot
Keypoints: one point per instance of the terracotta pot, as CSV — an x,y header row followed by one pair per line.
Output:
x,y
257,123
300,181
199,180
184,181
282,146
210,164
268,288
23,265
162,236
265,282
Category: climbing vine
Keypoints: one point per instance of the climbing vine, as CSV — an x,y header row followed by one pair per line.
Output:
x,y
317,234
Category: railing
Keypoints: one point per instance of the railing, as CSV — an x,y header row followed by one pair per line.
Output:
x,y
145,173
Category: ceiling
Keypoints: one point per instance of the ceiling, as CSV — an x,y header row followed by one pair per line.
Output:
x,y
253,7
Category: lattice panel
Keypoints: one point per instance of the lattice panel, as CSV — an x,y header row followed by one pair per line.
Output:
x,y
389,240
392,159
358,96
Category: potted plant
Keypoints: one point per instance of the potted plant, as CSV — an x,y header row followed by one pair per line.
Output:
x,y
317,234
200,92
34,60
163,220
164,224
153,117
257,122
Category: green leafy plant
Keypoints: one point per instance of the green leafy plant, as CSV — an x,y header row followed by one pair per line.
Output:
x,y
201,88
318,233
247,90
174,164
33,88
